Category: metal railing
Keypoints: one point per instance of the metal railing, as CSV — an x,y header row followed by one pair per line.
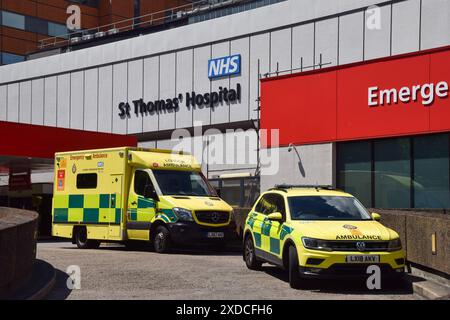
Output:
x,y
152,19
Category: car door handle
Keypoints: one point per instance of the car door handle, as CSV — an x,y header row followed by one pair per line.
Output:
x,y
134,203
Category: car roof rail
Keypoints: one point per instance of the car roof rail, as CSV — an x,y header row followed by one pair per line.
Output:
x,y
285,187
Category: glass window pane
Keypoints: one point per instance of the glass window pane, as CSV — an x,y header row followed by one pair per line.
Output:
x,y
354,170
13,20
87,181
36,25
431,171
8,58
251,191
392,173
231,191
55,29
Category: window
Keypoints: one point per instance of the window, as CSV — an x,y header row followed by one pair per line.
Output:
x,y
13,20
327,208
89,3
410,172
55,29
36,25
241,192
271,203
32,24
392,173
86,181
354,169
141,180
431,171
183,183
8,58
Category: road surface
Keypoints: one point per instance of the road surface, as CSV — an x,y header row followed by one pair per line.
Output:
x,y
115,272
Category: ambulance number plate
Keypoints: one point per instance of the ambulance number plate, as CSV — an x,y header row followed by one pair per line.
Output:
x,y
363,259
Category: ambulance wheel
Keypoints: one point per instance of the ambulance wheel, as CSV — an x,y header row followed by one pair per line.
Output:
x,y
161,240
294,274
82,241
249,254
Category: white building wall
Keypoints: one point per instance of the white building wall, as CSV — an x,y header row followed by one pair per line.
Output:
x,y
91,110
37,101
104,98
25,102
165,64
313,165
406,26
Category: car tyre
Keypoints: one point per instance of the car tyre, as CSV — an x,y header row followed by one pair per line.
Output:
x,y
249,254
294,274
81,240
161,240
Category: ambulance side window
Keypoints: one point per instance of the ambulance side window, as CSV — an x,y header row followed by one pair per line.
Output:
x,y
271,203
266,204
86,181
141,179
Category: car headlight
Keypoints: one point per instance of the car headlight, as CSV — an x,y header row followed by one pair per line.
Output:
x,y
395,245
316,244
183,214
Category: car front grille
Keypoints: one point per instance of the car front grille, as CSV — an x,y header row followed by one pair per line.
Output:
x,y
212,217
352,245
357,269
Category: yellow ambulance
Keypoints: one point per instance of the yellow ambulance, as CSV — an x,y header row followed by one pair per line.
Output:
x,y
319,232
123,194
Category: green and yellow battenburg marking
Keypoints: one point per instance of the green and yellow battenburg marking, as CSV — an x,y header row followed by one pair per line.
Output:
x,y
87,208
166,215
268,234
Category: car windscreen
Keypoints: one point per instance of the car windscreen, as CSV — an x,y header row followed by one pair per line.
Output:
x,y
327,208
183,183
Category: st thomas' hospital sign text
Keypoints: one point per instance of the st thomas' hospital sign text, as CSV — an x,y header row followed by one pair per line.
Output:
x,y
191,100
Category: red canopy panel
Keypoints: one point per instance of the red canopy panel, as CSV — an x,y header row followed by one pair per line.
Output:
x,y
26,140
389,97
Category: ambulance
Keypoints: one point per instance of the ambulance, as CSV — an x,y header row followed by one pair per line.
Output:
x,y
318,232
126,194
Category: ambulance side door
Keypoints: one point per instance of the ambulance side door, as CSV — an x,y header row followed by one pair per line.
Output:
x,y
113,201
141,210
266,231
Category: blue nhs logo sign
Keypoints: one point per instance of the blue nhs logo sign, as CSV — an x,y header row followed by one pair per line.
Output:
x,y
225,66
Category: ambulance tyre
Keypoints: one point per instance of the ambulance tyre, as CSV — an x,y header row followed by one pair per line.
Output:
x,y
294,274
81,240
249,254
161,240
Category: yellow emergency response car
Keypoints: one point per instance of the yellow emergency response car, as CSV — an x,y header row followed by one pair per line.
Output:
x,y
124,194
318,232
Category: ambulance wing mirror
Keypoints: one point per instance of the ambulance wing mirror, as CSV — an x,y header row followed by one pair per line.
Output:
x,y
276,216
150,192
376,216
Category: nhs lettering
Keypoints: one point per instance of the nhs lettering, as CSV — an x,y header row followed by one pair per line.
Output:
x,y
225,66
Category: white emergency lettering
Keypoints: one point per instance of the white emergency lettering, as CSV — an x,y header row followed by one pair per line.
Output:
x,y
427,92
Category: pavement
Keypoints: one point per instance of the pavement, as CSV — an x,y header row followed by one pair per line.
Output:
x,y
115,272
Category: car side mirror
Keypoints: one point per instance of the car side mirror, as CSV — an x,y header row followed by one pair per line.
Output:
x,y
276,216
376,216
150,192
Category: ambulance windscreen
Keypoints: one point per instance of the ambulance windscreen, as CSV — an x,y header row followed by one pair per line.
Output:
x,y
186,183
